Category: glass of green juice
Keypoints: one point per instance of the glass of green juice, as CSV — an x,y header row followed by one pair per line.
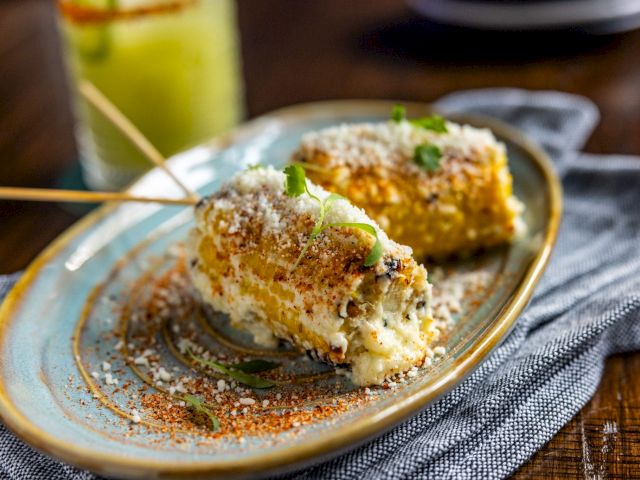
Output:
x,y
172,67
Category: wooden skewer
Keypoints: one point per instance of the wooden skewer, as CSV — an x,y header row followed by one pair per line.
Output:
x,y
47,195
96,98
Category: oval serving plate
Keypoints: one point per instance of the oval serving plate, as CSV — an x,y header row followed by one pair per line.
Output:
x,y
88,291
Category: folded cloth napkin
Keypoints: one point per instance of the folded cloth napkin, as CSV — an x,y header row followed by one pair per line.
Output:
x,y
586,307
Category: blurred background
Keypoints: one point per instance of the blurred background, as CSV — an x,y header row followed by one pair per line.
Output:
x,y
266,54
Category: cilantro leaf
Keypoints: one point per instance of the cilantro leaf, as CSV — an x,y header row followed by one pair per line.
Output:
x,y
399,113
199,409
428,157
295,183
435,123
229,370
376,251
254,366
375,254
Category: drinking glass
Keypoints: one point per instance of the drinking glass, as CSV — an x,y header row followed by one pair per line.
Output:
x,y
172,67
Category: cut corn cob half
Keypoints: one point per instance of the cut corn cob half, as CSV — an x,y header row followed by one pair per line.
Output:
x,y
243,250
463,205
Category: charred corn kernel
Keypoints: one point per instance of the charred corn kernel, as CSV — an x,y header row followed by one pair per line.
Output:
x,y
247,239
461,206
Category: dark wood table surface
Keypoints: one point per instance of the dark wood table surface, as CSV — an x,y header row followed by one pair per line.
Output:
x,y
302,51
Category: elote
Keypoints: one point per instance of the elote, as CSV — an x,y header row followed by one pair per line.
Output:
x,y
441,188
251,258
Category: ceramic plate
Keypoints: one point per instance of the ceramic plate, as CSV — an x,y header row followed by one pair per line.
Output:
x,y
88,299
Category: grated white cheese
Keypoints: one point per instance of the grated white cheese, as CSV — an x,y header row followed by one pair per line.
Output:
x,y
371,144
141,361
164,375
109,379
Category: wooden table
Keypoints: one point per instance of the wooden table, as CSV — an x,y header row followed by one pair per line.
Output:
x,y
303,51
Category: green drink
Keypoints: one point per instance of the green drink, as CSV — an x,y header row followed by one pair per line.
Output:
x,y
172,67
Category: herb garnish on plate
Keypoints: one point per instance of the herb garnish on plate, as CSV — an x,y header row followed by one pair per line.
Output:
x,y
433,122
240,371
201,412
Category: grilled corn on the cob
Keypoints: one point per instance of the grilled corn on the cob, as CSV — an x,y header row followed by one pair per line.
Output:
x,y
461,206
247,238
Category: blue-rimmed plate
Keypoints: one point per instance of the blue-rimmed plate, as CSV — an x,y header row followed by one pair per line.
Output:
x,y
65,318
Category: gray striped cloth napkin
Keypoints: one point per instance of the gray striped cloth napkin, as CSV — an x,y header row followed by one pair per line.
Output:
x,y
586,307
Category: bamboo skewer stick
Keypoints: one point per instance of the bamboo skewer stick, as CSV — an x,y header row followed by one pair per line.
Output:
x,y
47,195
96,98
